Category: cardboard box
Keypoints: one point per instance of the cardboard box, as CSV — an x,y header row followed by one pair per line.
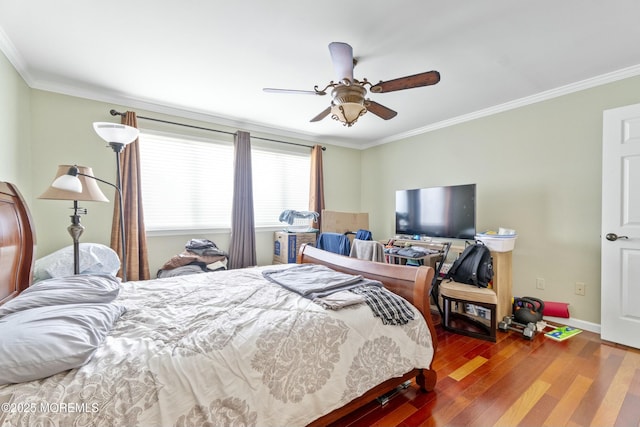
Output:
x,y
286,245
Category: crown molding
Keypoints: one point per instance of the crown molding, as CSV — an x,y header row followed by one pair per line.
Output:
x,y
14,57
18,63
611,77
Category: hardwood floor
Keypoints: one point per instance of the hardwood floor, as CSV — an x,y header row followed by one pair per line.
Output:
x,y
582,381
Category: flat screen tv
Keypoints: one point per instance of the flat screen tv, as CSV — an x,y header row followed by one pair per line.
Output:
x,y
447,212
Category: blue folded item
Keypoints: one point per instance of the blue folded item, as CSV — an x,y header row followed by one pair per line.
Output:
x,y
413,253
364,235
334,242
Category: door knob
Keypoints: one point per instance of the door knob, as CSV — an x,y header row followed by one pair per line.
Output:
x,y
612,237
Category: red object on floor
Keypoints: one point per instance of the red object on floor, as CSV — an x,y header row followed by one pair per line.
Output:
x,y
556,309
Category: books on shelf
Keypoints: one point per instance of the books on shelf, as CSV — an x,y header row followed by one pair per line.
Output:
x,y
561,333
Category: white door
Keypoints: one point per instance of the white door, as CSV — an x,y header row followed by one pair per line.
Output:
x,y
620,282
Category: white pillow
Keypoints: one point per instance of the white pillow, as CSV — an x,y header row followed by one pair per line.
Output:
x,y
43,341
93,257
77,289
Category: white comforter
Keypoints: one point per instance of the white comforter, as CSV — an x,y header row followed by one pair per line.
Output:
x,y
221,349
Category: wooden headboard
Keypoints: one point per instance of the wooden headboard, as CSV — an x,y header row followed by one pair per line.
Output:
x,y
17,243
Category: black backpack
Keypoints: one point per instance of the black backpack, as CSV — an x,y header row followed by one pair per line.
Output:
x,y
473,267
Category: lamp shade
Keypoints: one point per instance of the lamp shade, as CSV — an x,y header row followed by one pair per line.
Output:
x,y
114,132
347,113
348,104
67,182
89,190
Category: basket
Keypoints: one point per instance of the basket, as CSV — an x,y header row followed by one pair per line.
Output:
x,y
300,225
498,242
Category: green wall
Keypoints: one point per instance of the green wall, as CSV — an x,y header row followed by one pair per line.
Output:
x,y
40,130
537,170
62,133
15,148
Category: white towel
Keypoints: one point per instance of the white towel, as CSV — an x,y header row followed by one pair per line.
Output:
x,y
369,250
339,300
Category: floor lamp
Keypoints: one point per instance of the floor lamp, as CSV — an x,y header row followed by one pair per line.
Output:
x,y
83,188
118,136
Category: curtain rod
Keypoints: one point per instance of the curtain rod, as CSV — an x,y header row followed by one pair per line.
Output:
x,y
117,113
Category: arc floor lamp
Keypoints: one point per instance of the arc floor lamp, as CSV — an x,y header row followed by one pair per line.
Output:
x,y
77,183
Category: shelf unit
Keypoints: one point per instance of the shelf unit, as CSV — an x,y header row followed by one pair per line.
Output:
x,y
501,285
497,299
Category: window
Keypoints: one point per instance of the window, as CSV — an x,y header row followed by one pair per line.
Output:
x,y
280,181
187,182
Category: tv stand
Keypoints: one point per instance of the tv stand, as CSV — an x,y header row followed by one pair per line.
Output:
x,y
431,244
429,259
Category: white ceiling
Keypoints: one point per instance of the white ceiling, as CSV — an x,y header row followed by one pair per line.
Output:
x,y
211,59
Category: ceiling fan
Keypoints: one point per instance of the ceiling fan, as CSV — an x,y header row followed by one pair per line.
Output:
x,y
348,94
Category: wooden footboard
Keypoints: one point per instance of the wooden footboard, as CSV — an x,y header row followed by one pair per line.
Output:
x,y
412,283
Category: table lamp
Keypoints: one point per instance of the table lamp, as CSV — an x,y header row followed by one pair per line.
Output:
x,y
83,188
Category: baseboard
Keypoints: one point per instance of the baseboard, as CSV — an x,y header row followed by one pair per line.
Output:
x,y
576,323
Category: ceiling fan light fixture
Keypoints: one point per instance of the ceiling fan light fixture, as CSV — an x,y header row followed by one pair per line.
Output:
x,y
347,113
348,104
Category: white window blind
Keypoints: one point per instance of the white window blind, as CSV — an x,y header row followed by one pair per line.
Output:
x,y
187,183
280,181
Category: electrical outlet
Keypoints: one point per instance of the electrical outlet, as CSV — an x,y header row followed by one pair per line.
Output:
x,y
580,288
539,283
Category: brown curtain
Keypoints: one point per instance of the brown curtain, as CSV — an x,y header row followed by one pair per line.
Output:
x,y
135,236
242,248
316,192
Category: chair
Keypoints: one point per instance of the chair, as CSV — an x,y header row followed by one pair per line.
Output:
x,y
468,298
369,250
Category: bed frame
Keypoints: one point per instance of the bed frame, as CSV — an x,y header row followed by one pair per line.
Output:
x,y
411,283
17,243
17,249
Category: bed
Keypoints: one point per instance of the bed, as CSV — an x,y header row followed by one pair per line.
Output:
x,y
220,348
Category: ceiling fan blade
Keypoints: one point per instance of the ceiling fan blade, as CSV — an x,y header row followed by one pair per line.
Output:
x,y
417,80
322,115
295,91
342,58
380,110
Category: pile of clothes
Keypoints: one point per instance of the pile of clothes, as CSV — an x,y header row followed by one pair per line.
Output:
x,y
199,256
340,243
334,290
